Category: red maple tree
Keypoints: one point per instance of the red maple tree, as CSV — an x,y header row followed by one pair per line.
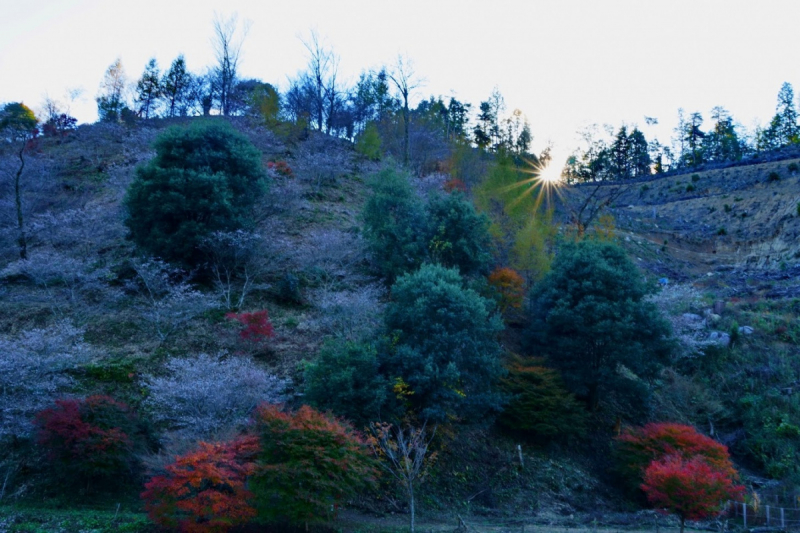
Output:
x,y
638,447
205,491
257,326
89,438
691,488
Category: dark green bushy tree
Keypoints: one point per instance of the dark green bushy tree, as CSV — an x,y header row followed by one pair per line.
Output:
x,y
444,345
345,379
459,236
394,224
402,232
591,319
204,178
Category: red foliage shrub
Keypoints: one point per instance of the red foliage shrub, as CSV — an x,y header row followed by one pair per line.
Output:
x,y
690,488
308,463
454,184
89,438
257,326
509,285
205,491
638,447
281,167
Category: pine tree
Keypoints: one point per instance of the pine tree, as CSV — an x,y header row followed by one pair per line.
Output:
x,y
148,89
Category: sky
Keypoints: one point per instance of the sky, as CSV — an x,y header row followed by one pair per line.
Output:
x,y
565,63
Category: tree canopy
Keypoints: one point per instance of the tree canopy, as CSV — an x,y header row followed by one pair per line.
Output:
x,y
204,178
593,322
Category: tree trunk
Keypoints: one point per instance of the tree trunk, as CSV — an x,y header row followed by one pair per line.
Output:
x,y
21,241
411,504
683,522
594,396
405,132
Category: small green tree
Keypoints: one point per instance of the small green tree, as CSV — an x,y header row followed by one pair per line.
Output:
x,y
444,347
352,370
459,236
402,232
540,406
591,318
19,123
368,143
204,178
307,464
394,224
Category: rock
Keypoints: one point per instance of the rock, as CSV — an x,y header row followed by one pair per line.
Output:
x,y
720,338
746,330
719,306
691,317
713,317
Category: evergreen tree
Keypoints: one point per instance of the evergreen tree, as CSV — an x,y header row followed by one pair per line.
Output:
x,y
591,319
175,88
204,178
785,130
148,89
444,355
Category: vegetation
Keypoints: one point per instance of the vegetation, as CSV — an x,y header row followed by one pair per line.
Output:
x,y
590,317
307,464
444,347
204,178
281,295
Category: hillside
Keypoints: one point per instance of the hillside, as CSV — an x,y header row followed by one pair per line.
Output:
x,y
85,285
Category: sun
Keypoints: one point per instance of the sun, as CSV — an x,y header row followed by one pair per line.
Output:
x,y
550,173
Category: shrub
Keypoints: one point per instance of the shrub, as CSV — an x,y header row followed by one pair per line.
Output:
x,y
281,168
368,143
690,188
402,233
690,488
394,225
89,439
207,396
256,325
458,235
308,462
510,287
793,168
352,370
34,368
205,491
204,178
722,231
638,447
455,184
540,406
444,344
695,178
773,176
590,317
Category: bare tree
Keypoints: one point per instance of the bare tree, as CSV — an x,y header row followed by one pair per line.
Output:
x,y
227,43
404,456
237,261
320,80
402,75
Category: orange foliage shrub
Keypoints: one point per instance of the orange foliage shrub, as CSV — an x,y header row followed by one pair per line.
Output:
x,y
509,285
454,184
205,491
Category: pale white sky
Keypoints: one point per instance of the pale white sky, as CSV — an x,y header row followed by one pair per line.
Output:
x,y
565,63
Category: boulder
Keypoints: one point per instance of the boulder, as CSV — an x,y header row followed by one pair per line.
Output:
x,y
746,330
720,338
